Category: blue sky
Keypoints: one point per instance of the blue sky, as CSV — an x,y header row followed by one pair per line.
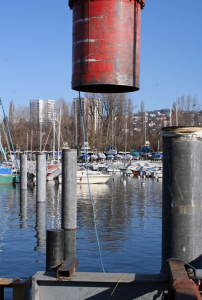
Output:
x,y
36,52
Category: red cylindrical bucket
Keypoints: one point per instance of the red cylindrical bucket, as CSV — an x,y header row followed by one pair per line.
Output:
x,y
106,45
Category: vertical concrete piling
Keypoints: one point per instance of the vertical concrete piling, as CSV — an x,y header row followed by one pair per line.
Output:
x,y
23,172
23,208
69,200
69,244
69,189
40,226
182,190
54,248
41,178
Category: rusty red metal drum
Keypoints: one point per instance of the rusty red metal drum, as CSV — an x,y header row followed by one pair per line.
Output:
x,y
106,45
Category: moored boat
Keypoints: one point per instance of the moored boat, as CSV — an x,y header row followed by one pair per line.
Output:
x,y
92,177
7,176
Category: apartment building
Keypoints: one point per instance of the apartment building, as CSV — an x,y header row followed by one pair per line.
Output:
x,y
91,110
42,111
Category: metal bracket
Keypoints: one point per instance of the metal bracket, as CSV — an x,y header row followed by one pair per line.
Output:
x,y
181,287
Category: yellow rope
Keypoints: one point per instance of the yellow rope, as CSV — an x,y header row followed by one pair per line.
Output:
x,y
116,286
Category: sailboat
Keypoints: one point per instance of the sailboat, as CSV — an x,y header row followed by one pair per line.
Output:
x,y
7,174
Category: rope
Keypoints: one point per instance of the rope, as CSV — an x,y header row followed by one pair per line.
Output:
x,y
91,199
116,285
178,259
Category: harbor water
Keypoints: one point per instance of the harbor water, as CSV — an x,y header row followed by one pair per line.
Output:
x,y
127,215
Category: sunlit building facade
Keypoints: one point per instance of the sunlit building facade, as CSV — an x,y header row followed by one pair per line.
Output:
x,y
42,111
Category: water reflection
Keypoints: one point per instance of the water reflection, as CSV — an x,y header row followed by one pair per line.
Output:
x,y
23,208
40,227
53,205
125,213
128,218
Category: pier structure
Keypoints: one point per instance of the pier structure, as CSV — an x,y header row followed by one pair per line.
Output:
x,y
181,208
182,190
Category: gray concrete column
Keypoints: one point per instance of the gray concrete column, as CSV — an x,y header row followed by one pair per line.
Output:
x,y
182,194
23,172
41,178
69,244
69,189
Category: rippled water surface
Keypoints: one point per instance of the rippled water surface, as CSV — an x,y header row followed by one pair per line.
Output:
x,y
128,219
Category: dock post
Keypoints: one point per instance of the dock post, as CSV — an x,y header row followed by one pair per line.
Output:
x,y
69,244
40,227
41,178
69,201
23,172
54,248
182,190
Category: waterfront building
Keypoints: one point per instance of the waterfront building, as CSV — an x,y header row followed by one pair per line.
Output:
x,y
91,110
42,111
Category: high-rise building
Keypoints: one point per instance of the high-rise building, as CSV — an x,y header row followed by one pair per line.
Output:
x,y
42,111
91,110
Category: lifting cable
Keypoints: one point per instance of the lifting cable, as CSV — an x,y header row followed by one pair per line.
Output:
x,y
91,199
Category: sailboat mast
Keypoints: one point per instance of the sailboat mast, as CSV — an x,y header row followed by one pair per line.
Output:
x,y
59,128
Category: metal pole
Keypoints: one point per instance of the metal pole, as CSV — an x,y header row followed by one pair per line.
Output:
x,y
59,130
145,128
54,248
176,115
41,178
170,117
40,135
69,189
182,190
31,144
23,172
54,139
27,141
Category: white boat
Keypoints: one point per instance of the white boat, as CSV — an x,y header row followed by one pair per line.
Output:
x,y
92,177
94,157
111,151
86,149
118,157
126,170
157,172
128,157
101,155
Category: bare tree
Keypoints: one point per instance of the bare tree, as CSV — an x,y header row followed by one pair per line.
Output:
x,y
185,110
11,111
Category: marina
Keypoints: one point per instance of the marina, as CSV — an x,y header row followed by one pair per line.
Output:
x,y
121,218
128,221
98,201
